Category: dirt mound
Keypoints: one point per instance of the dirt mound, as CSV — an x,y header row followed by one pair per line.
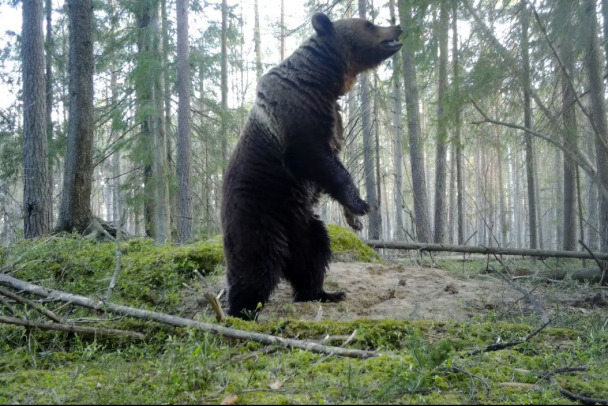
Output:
x,y
393,292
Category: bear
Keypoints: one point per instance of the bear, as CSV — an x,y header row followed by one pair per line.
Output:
x,y
286,157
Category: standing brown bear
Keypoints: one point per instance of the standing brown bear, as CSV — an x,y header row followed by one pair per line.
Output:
x,y
287,156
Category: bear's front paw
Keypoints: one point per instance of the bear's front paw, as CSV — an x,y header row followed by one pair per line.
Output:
x,y
359,207
352,220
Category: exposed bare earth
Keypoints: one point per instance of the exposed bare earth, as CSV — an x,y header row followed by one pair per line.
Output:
x,y
393,292
396,291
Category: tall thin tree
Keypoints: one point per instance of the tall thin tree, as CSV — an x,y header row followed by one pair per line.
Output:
x,y
525,55
398,148
375,219
442,129
412,102
594,70
36,181
75,210
184,146
565,28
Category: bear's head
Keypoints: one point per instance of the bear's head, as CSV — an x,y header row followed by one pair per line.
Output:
x,y
362,44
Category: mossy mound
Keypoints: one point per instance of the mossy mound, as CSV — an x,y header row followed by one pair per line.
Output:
x,y
149,272
345,246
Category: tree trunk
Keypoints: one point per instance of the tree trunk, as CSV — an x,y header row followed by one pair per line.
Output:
x,y
398,132
532,210
224,86
564,12
49,49
36,181
75,211
282,29
184,146
596,94
442,131
421,201
460,203
368,154
257,41
145,106
161,166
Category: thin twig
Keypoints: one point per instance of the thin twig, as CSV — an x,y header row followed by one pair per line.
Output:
x,y
509,344
71,329
8,305
118,261
99,305
36,306
212,299
533,300
579,398
602,266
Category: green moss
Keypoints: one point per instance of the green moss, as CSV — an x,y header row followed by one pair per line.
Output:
x,y
149,272
346,245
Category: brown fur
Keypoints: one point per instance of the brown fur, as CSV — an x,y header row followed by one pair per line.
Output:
x,y
286,157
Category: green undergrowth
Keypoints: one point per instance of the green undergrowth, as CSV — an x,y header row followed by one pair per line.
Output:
x,y
149,272
420,362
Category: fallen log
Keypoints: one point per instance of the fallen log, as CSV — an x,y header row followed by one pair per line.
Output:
x,y
71,329
99,305
406,245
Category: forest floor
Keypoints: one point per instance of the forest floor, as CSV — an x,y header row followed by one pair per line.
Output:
x,y
404,290
443,329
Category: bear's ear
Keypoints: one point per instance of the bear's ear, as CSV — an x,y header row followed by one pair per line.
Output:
x,y
322,24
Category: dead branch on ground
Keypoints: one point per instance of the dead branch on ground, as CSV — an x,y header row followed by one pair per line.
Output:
x,y
509,344
27,302
212,299
99,305
71,329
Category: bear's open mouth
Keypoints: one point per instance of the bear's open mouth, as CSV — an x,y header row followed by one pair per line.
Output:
x,y
391,44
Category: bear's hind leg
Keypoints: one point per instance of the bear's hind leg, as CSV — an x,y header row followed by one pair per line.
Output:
x,y
310,254
255,263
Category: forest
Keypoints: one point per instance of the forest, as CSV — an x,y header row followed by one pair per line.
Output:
x,y
479,275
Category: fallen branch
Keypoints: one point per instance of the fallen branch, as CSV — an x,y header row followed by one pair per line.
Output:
x,y
406,245
579,398
213,300
36,306
509,344
71,329
179,321
531,298
602,266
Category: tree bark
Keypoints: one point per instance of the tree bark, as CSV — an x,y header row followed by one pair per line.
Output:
x,y
460,202
257,40
161,165
398,143
532,209
184,124
374,217
564,13
36,180
75,211
421,201
442,130
224,86
596,94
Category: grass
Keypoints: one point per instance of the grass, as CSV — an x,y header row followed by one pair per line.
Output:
x,y
421,362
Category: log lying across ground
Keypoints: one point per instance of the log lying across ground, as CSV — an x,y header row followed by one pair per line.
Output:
x,y
89,303
405,245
